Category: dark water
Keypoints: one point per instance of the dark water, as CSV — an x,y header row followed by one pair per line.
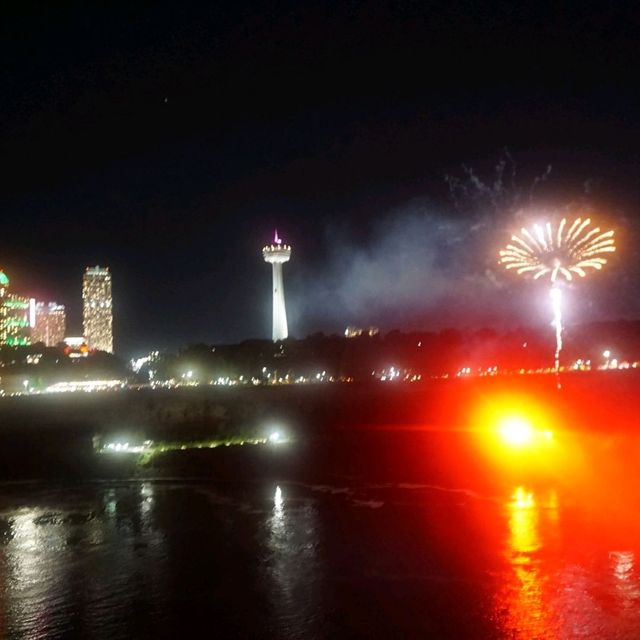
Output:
x,y
393,552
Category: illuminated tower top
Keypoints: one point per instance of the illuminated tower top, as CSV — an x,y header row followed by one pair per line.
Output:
x,y
278,252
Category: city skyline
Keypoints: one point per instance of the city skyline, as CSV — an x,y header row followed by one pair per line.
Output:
x,y
24,320
178,174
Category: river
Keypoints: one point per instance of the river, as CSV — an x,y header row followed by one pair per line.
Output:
x,y
388,534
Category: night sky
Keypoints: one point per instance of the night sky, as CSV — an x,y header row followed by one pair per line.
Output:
x,y
167,140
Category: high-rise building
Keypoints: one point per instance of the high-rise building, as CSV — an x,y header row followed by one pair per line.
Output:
x,y
277,254
97,311
50,324
17,316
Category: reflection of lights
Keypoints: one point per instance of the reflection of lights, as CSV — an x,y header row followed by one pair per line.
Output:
x,y
522,499
522,598
523,523
293,564
278,502
627,586
36,552
623,564
146,500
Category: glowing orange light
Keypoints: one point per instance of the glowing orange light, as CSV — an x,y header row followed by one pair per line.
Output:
x,y
516,431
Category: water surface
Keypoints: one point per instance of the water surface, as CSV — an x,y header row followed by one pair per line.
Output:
x,y
389,553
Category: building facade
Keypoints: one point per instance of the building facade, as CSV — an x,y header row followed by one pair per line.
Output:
x,y
17,316
50,323
97,308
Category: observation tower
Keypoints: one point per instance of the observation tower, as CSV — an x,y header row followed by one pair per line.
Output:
x,y
277,254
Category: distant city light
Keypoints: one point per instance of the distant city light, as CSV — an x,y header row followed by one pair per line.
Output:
x,y
355,332
138,363
125,447
87,386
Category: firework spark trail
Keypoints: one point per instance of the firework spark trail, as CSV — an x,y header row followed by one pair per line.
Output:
x,y
556,305
558,253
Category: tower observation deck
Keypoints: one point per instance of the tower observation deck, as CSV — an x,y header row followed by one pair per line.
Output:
x,y
277,254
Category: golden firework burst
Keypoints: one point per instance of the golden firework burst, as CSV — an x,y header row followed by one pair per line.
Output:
x,y
562,250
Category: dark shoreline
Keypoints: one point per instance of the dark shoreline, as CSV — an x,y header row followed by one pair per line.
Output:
x,y
54,436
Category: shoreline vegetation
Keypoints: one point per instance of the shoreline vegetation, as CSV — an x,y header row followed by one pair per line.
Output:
x,y
201,430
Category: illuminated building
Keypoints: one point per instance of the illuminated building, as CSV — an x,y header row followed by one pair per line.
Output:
x,y
4,283
76,347
50,323
355,332
277,254
17,316
97,311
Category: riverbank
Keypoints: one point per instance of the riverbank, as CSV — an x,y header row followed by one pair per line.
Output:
x,y
198,430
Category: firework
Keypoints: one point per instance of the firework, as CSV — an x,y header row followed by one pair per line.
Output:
x,y
559,252
564,251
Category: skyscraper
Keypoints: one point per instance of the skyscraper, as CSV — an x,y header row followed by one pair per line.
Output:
x,y
277,254
97,311
17,316
50,323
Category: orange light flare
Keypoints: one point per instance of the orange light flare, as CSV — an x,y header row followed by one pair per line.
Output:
x,y
517,431
517,436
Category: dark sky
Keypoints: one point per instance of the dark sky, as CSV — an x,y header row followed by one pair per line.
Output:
x,y
167,140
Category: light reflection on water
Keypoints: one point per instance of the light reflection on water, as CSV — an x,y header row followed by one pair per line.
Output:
x,y
527,612
293,566
66,564
627,581
562,592
120,560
